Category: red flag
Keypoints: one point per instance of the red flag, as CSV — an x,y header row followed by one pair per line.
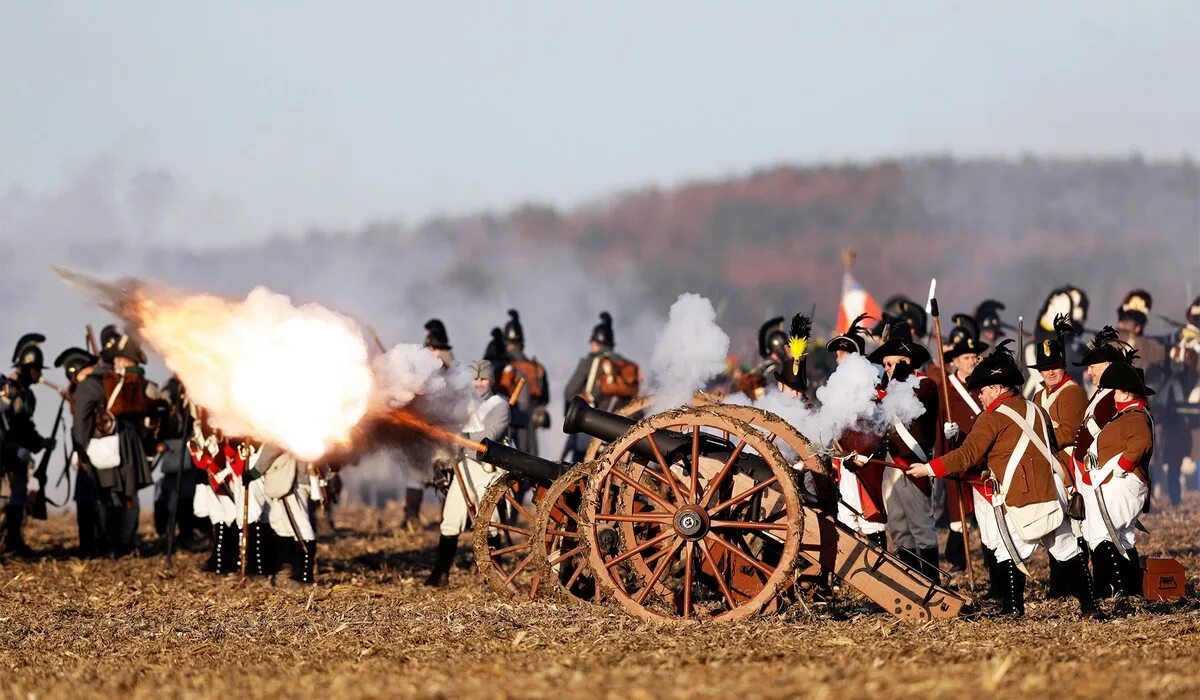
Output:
x,y
855,301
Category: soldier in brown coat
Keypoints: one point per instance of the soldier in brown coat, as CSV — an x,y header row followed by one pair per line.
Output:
x,y
1010,437
1119,475
1064,400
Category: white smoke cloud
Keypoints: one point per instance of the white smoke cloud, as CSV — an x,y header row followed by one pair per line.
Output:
x,y
690,350
405,372
901,404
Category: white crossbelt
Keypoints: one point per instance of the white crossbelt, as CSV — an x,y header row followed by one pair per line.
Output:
x,y
1028,437
966,395
909,440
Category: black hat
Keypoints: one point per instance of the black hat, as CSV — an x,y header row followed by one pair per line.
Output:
x,y
852,340
967,323
114,344
1193,312
987,314
495,348
964,344
901,308
898,340
435,335
27,353
771,338
74,359
1049,355
1106,347
602,333
1136,307
999,367
513,331
792,372
1125,377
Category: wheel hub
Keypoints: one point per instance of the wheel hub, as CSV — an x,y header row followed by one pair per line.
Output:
x,y
691,522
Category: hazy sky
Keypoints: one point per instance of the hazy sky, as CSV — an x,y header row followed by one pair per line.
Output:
x,y
257,117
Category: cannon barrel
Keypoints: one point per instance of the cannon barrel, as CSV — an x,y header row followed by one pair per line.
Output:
x,y
520,463
583,418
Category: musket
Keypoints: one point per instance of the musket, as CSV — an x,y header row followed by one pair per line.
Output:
x,y
1021,344
93,347
37,505
242,448
962,508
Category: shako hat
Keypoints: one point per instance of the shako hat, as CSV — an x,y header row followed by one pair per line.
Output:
x,y
602,332
792,371
771,338
514,332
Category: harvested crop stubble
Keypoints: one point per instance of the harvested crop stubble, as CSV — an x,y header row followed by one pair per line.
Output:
x,y
133,629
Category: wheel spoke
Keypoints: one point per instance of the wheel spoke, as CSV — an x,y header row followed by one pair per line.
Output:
x,y
743,495
635,518
565,556
579,569
569,535
508,496
639,549
510,550
667,473
714,484
695,461
621,476
562,504
658,572
712,562
689,551
762,568
512,528
520,567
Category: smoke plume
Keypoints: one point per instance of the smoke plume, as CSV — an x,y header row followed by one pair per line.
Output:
x,y
691,349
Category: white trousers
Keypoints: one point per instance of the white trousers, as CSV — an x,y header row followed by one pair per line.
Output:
x,y
477,478
218,508
851,499
1061,543
297,502
1124,494
909,512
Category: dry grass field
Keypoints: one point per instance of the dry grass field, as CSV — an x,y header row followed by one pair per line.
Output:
x,y
135,629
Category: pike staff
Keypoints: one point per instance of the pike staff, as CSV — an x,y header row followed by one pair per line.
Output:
x,y
962,509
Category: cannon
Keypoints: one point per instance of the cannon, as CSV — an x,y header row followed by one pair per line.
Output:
x,y
696,515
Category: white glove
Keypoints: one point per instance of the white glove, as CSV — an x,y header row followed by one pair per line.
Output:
x,y
950,430
32,486
222,475
855,460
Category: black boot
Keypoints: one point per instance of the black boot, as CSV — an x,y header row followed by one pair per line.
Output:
x,y
879,539
1087,553
229,551
304,563
929,564
443,560
1106,565
1062,582
1013,601
1133,573
14,541
1075,572
260,551
909,558
995,590
956,556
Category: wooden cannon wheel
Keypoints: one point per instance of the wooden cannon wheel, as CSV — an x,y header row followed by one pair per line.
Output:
x,y
722,538
779,429
503,539
560,551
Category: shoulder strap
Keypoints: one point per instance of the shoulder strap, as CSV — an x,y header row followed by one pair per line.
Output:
x,y
1029,435
112,398
966,395
910,441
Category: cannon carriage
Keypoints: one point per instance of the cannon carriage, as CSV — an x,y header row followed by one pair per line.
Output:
x,y
699,514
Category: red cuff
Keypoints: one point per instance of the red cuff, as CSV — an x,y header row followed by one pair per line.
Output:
x,y
939,469
1126,464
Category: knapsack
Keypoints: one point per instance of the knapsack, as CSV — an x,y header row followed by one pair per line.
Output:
x,y
533,372
618,377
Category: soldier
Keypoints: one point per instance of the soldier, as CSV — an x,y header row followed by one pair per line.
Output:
x,y
991,326
216,498
77,364
604,379
488,419
1064,401
19,439
438,342
1183,398
860,488
961,358
792,376
1115,487
1104,350
1011,438
286,493
529,406
112,401
907,501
